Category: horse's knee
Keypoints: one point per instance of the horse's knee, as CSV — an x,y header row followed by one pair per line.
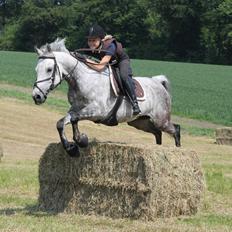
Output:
x,y
74,118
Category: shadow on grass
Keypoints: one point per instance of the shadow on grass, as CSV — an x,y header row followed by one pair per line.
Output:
x,y
29,210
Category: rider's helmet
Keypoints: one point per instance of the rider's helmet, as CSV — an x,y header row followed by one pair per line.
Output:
x,y
96,31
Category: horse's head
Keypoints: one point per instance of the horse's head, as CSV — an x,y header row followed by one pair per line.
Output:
x,y
48,71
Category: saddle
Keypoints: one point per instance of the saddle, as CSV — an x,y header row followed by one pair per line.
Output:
x,y
117,85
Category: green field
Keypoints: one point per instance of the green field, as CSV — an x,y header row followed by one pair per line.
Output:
x,y
199,91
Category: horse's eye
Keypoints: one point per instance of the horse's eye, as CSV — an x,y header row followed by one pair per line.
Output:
x,y
49,70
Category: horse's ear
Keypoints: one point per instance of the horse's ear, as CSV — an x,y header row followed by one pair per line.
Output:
x,y
38,51
49,48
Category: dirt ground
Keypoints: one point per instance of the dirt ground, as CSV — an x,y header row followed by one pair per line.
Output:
x,y
26,130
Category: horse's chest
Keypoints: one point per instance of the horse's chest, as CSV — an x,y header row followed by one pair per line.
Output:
x,y
75,98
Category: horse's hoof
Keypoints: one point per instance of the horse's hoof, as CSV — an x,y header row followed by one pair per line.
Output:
x,y
178,145
83,141
73,150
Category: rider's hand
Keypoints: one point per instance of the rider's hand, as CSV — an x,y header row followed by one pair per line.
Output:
x,y
80,57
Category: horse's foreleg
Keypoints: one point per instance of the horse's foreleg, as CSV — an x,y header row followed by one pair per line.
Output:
x,y
71,148
81,139
87,113
158,136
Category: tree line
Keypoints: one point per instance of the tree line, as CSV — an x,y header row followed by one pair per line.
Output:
x,y
174,30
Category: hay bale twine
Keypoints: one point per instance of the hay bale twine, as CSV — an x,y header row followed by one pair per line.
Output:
x,y
121,181
224,135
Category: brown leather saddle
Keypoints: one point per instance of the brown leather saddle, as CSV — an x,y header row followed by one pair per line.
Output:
x,y
118,87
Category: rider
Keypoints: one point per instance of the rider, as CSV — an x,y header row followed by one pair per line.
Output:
x,y
114,54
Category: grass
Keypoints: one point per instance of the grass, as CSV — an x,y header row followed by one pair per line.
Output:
x,y
18,68
18,183
197,131
199,91
210,220
52,102
217,181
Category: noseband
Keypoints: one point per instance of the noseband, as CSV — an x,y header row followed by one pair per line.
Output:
x,y
52,77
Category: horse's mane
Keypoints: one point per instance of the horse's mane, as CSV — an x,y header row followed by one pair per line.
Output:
x,y
57,46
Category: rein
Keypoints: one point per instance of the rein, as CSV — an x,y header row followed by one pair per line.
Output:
x,y
84,60
90,50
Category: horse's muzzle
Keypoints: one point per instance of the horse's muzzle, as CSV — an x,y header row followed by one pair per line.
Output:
x,y
38,99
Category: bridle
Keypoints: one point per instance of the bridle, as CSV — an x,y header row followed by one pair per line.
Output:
x,y
52,77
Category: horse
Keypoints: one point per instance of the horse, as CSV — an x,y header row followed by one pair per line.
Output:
x,y
91,97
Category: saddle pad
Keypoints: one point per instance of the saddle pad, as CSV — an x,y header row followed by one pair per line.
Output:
x,y
138,88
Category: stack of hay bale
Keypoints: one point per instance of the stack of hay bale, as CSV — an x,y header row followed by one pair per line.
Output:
x,y
121,181
1,152
224,135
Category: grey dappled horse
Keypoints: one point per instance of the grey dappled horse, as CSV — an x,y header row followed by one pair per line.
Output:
x,y
91,97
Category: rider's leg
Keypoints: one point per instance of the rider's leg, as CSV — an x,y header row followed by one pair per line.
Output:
x,y
128,83
125,74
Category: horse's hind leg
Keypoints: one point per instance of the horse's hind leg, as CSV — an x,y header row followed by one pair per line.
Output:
x,y
174,130
144,124
177,135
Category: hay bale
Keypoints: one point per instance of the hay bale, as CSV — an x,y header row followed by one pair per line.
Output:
x,y
1,152
224,136
121,181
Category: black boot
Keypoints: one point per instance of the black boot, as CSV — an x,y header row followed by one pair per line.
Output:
x,y
130,90
136,109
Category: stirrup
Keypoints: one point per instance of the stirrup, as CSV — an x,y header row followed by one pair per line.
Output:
x,y
136,109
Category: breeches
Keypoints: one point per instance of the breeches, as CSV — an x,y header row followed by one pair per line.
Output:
x,y
125,70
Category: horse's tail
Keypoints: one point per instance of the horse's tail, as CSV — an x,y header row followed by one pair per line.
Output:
x,y
163,80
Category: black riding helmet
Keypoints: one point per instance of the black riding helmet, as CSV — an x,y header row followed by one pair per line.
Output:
x,y
96,31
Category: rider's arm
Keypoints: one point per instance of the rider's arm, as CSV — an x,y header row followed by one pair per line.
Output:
x,y
111,50
101,65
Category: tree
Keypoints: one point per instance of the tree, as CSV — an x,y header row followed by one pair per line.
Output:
x,y
217,33
182,25
39,25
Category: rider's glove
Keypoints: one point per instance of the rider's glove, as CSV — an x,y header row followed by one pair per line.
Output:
x,y
80,57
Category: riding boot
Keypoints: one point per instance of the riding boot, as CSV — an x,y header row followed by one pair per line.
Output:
x,y
130,89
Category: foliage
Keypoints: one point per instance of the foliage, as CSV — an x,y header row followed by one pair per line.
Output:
x,y
217,33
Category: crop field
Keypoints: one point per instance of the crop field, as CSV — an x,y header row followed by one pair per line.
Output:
x,y
199,91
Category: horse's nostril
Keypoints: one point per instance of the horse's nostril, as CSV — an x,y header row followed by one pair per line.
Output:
x,y
37,97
